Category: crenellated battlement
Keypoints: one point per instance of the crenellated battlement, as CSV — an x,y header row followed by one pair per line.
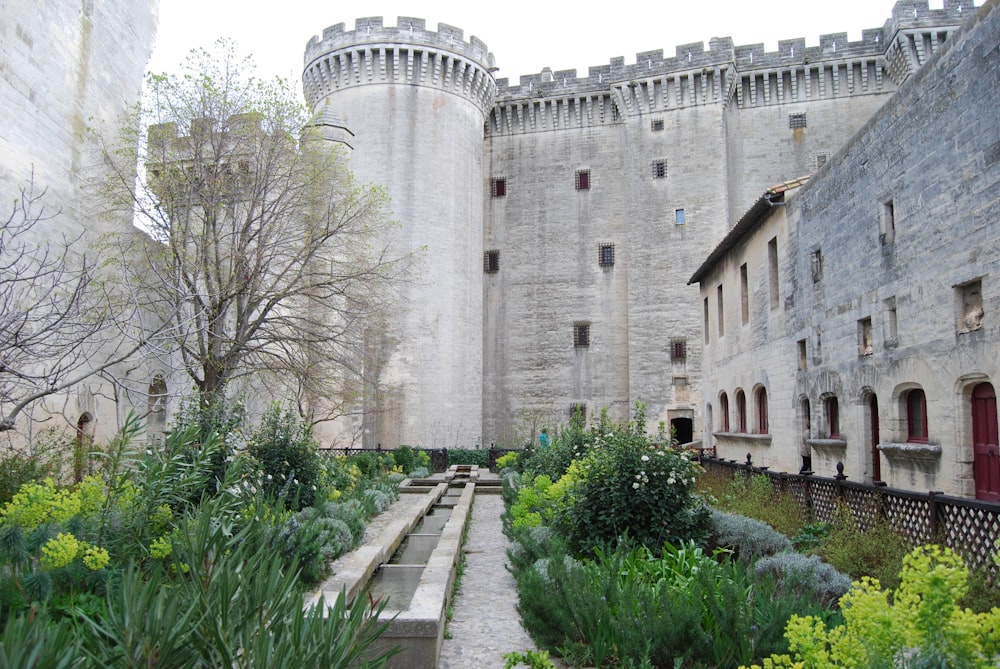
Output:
x,y
836,66
407,53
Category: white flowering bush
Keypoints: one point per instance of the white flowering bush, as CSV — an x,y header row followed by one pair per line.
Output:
x,y
630,484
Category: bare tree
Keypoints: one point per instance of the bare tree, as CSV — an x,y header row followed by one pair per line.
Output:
x,y
263,254
57,320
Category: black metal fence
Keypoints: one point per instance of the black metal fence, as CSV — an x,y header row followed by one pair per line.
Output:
x,y
969,527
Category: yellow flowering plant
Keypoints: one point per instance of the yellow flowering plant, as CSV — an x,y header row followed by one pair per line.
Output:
x,y
919,626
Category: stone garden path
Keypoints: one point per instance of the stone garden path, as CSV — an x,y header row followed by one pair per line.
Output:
x,y
485,624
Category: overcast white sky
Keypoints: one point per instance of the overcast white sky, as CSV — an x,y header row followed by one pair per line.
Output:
x,y
524,36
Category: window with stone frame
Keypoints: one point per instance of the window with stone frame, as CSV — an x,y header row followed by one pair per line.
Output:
x,y
582,179
916,416
796,121
606,254
491,261
760,398
656,125
660,168
581,334
498,186
678,350
724,411
741,410
832,407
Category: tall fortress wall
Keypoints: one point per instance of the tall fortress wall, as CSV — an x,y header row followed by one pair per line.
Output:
x,y
413,102
673,149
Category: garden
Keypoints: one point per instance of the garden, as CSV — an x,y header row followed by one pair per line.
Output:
x,y
137,554
626,555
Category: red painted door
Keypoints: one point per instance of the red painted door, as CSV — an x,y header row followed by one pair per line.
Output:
x,y
985,452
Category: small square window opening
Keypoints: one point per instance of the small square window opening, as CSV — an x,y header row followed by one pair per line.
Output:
x,y
491,261
606,255
678,350
583,179
581,335
656,124
659,169
679,218
498,186
796,121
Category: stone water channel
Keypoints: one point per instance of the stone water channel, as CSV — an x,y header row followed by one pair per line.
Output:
x,y
409,560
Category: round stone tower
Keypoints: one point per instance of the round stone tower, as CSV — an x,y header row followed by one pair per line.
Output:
x,y
414,103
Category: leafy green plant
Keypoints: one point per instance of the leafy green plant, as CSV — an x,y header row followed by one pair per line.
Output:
x,y
469,456
920,626
535,659
286,452
630,484
876,551
748,538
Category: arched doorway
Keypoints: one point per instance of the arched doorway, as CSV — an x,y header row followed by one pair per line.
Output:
x,y
985,452
82,445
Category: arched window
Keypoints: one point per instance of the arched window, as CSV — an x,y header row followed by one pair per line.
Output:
x,y
832,417
916,416
724,411
741,411
761,398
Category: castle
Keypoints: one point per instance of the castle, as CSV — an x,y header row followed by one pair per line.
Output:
x,y
561,217
558,222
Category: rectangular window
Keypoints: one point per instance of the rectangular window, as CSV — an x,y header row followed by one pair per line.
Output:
x,y
656,124
491,261
803,354
722,310
706,320
679,218
887,223
678,350
891,328
578,412
744,294
772,264
581,335
865,346
816,265
916,416
606,255
659,169
583,179
796,121
969,297
498,186
821,159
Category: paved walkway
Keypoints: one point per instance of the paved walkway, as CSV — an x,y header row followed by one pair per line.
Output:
x,y
485,624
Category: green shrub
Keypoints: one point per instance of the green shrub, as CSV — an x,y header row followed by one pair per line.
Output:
x,y
920,626
753,496
629,484
796,573
405,458
286,453
631,606
469,456
748,538
877,551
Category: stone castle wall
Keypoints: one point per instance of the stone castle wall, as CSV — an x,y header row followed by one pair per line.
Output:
x,y
67,69
720,124
414,102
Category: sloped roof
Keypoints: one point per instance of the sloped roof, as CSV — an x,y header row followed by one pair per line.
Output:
x,y
749,222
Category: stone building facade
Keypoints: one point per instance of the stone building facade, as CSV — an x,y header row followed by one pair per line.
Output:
x,y
562,216
68,73
852,318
